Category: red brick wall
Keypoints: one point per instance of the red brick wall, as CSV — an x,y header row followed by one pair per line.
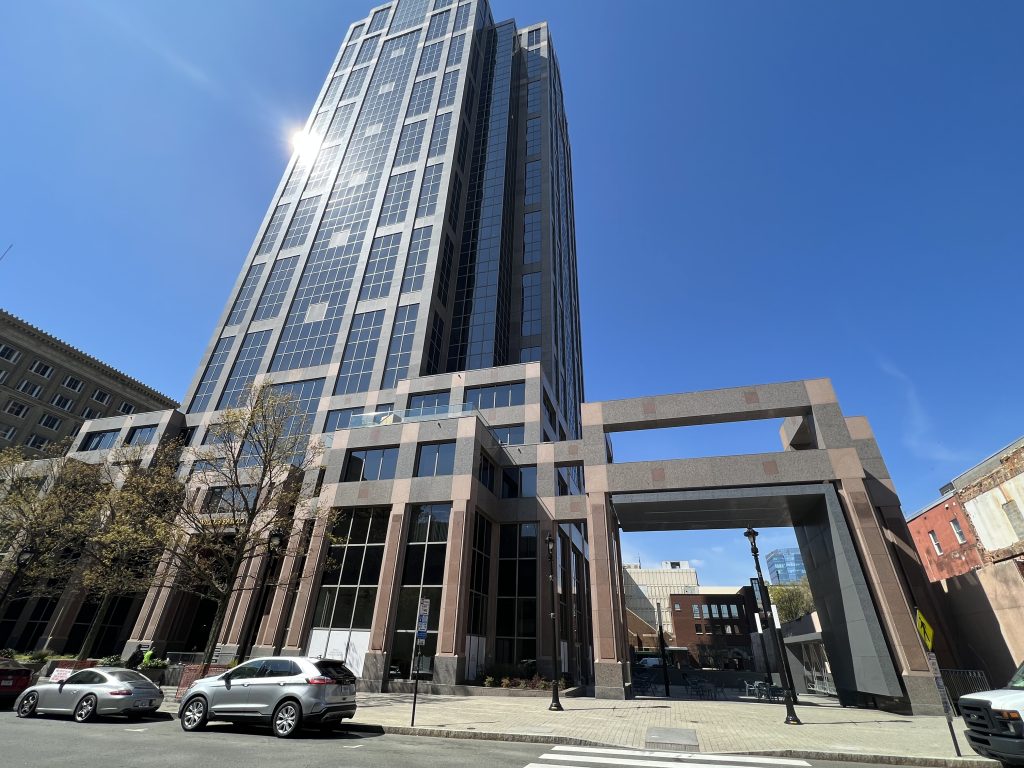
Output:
x,y
685,625
956,558
193,672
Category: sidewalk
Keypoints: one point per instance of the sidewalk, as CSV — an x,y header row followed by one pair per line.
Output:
x,y
828,731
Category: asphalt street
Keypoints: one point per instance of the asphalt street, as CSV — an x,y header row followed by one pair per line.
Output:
x,y
47,740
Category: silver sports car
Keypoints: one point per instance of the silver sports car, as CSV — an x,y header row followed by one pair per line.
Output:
x,y
91,692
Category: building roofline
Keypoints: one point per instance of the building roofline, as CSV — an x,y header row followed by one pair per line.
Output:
x,y
932,505
84,357
1008,448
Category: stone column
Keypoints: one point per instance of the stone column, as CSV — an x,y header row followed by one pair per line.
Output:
x,y
450,659
375,663
611,669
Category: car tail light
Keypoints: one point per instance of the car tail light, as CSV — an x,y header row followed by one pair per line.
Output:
x,y
320,680
121,692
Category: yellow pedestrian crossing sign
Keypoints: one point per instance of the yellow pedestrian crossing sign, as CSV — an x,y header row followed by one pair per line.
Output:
x,y
924,629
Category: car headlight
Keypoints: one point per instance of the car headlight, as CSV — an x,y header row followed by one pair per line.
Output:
x,y
1006,714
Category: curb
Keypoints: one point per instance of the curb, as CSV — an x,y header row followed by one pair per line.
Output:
x,y
864,757
543,738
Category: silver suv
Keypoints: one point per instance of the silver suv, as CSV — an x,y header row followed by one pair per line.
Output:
x,y
288,692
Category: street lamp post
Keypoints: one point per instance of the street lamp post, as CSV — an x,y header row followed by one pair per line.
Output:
x,y
556,705
768,620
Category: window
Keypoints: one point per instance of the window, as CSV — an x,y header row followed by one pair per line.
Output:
x,y
360,352
449,85
438,25
705,612
697,628
127,408
516,607
416,261
50,421
422,578
444,274
206,385
3,375
676,606
935,542
497,396
455,50
533,182
90,413
367,50
254,345
7,432
533,37
439,137
429,190
64,403
570,479
462,17
453,208
480,576
419,101
396,365
513,434
728,629
531,324
354,84
396,199
322,167
714,612
371,464
276,288
101,397
340,419
519,482
958,531
378,21
485,472
533,136
533,98
37,441
331,96
349,584
99,441
30,388
430,59
39,368
410,142
436,343
429,403
273,229
339,123
70,382
141,435
696,611
529,354
435,459
302,223
9,353
532,238
734,611
15,408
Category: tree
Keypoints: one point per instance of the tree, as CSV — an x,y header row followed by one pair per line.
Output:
x,y
130,528
793,600
44,521
249,482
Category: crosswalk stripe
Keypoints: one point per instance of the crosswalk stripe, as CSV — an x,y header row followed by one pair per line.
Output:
x,y
685,756
643,762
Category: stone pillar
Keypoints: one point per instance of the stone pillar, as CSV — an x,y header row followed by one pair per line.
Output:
x,y
450,659
375,663
309,584
611,668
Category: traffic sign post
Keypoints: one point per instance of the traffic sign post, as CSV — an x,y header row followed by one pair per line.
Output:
x,y
422,617
924,629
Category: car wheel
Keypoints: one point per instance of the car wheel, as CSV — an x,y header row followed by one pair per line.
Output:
x,y
194,715
86,709
27,707
286,720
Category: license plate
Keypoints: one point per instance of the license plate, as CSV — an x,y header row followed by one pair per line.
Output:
x,y
6,682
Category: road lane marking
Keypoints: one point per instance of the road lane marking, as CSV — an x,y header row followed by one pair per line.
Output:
x,y
685,756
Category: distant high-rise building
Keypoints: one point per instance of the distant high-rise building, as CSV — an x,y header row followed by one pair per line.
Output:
x,y
785,566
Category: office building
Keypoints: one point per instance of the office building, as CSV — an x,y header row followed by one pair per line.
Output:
x,y
785,566
413,286
48,389
645,589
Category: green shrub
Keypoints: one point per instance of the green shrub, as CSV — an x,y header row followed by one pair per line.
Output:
x,y
113,660
154,664
488,682
506,682
42,655
8,653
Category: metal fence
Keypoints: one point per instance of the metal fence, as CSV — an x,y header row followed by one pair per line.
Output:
x,y
960,682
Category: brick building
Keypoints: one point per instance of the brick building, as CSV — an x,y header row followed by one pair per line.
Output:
x,y
945,539
715,626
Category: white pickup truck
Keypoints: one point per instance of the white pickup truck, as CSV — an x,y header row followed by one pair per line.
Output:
x,y
995,721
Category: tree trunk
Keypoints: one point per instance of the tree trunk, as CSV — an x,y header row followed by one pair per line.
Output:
x,y
94,628
215,627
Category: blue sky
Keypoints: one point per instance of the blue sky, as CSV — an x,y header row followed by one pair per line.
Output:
x,y
764,192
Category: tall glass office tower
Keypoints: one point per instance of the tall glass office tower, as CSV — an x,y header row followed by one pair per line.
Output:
x,y
413,287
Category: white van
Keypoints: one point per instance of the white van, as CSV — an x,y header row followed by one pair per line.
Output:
x,y
995,721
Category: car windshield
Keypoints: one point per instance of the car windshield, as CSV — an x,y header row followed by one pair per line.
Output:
x,y
1017,681
127,676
